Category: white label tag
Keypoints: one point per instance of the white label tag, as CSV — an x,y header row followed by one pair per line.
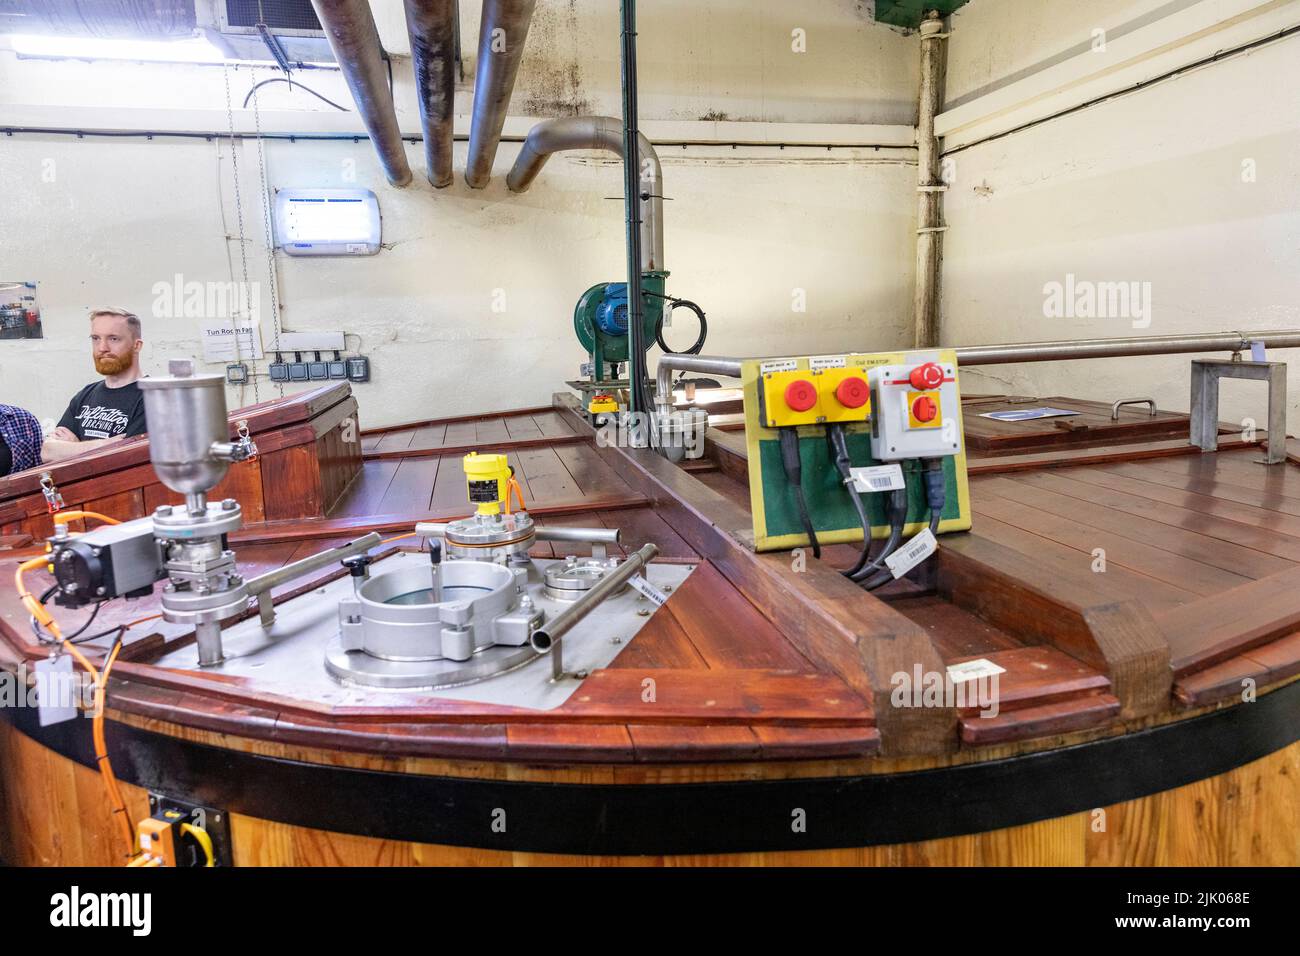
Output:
x,y
668,314
828,361
585,370
648,589
878,478
1258,353
916,551
973,670
781,365
56,690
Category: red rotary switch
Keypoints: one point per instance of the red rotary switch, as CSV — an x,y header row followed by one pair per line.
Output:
x,y
926,377
853,392
801,395
924,409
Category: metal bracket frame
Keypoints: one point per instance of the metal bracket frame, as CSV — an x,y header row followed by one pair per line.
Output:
x,y
1206,374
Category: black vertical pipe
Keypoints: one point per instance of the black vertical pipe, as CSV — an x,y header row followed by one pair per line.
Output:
x,y
632,209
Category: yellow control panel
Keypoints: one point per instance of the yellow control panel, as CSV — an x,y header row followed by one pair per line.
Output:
x,y
792,397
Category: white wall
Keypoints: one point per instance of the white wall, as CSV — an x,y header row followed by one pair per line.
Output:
x,y
99,220
1146,187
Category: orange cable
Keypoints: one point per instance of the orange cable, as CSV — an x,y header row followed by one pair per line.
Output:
x,y
63,517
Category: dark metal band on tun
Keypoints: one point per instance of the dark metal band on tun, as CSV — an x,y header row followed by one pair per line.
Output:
x,y
734,817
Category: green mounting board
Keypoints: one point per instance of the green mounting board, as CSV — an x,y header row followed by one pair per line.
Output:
x,y
828,504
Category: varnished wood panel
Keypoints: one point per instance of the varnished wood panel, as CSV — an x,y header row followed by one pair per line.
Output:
x,y
52,812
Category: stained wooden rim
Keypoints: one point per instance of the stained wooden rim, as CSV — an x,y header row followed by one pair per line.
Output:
x,y
697,818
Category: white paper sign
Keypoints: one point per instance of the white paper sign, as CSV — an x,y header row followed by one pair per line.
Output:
x,y
56,690
218,339
648,589
781,365
973,670
912,554
827,361
878,478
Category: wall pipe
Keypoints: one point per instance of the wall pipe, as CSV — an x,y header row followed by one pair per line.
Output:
x,y
431,25
598,132
353,37
501,38
930,186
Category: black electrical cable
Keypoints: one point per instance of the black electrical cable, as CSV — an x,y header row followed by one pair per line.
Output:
x,y
898,504
794,474
308,89
936,495
682,304
844,464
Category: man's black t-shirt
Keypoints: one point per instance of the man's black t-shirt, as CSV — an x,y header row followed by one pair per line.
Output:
x,y
98,411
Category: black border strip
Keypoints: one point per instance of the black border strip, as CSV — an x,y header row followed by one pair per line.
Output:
x,y
731,817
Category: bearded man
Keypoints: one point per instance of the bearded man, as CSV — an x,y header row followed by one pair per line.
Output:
x,y
110,409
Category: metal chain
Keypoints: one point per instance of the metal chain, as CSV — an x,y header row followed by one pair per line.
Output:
x,y
266,222
239,214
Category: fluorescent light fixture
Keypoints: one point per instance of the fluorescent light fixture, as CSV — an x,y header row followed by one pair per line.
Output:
x,y
195,49
327,222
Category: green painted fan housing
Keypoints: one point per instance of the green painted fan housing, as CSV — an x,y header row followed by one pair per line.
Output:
x,y
910,13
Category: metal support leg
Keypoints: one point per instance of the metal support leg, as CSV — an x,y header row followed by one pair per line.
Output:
x,y
1205,407
266,608
208,635
1277,414
1206,374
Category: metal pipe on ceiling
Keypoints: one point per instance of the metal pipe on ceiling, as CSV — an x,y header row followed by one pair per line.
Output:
x,y
350,27
501,38
598,132
431,25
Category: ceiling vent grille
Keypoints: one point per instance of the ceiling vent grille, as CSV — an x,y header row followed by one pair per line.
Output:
x,y
283,17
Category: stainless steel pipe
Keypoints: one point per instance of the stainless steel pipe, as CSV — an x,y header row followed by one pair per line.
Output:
x,y
502,34
264,583
438,529
546,637
968,356
1123,347
353,37
431,25
599,132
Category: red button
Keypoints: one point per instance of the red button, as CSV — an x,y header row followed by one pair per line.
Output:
x,y
924,409
853,392
800,395
927,376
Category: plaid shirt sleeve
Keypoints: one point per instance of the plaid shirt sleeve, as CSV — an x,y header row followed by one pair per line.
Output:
x,y
22,433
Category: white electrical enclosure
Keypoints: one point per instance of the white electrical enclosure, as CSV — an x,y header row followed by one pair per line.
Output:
x,y
327,222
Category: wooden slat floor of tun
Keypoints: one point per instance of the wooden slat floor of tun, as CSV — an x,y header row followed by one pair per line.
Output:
x,y
729,685
497,431
1209,545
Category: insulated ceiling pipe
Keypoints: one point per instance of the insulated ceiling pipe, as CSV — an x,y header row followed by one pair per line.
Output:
x,y
354,39
431,25
501,39
598,132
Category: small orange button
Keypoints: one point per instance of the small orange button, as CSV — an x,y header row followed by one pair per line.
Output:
x,y
924,409
925,377
853,392
801,395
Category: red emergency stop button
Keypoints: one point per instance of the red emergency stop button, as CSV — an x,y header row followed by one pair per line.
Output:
x,y
801,395
927,376
924,409
853,392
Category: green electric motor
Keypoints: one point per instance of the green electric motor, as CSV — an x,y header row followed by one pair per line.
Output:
x,y
601,320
